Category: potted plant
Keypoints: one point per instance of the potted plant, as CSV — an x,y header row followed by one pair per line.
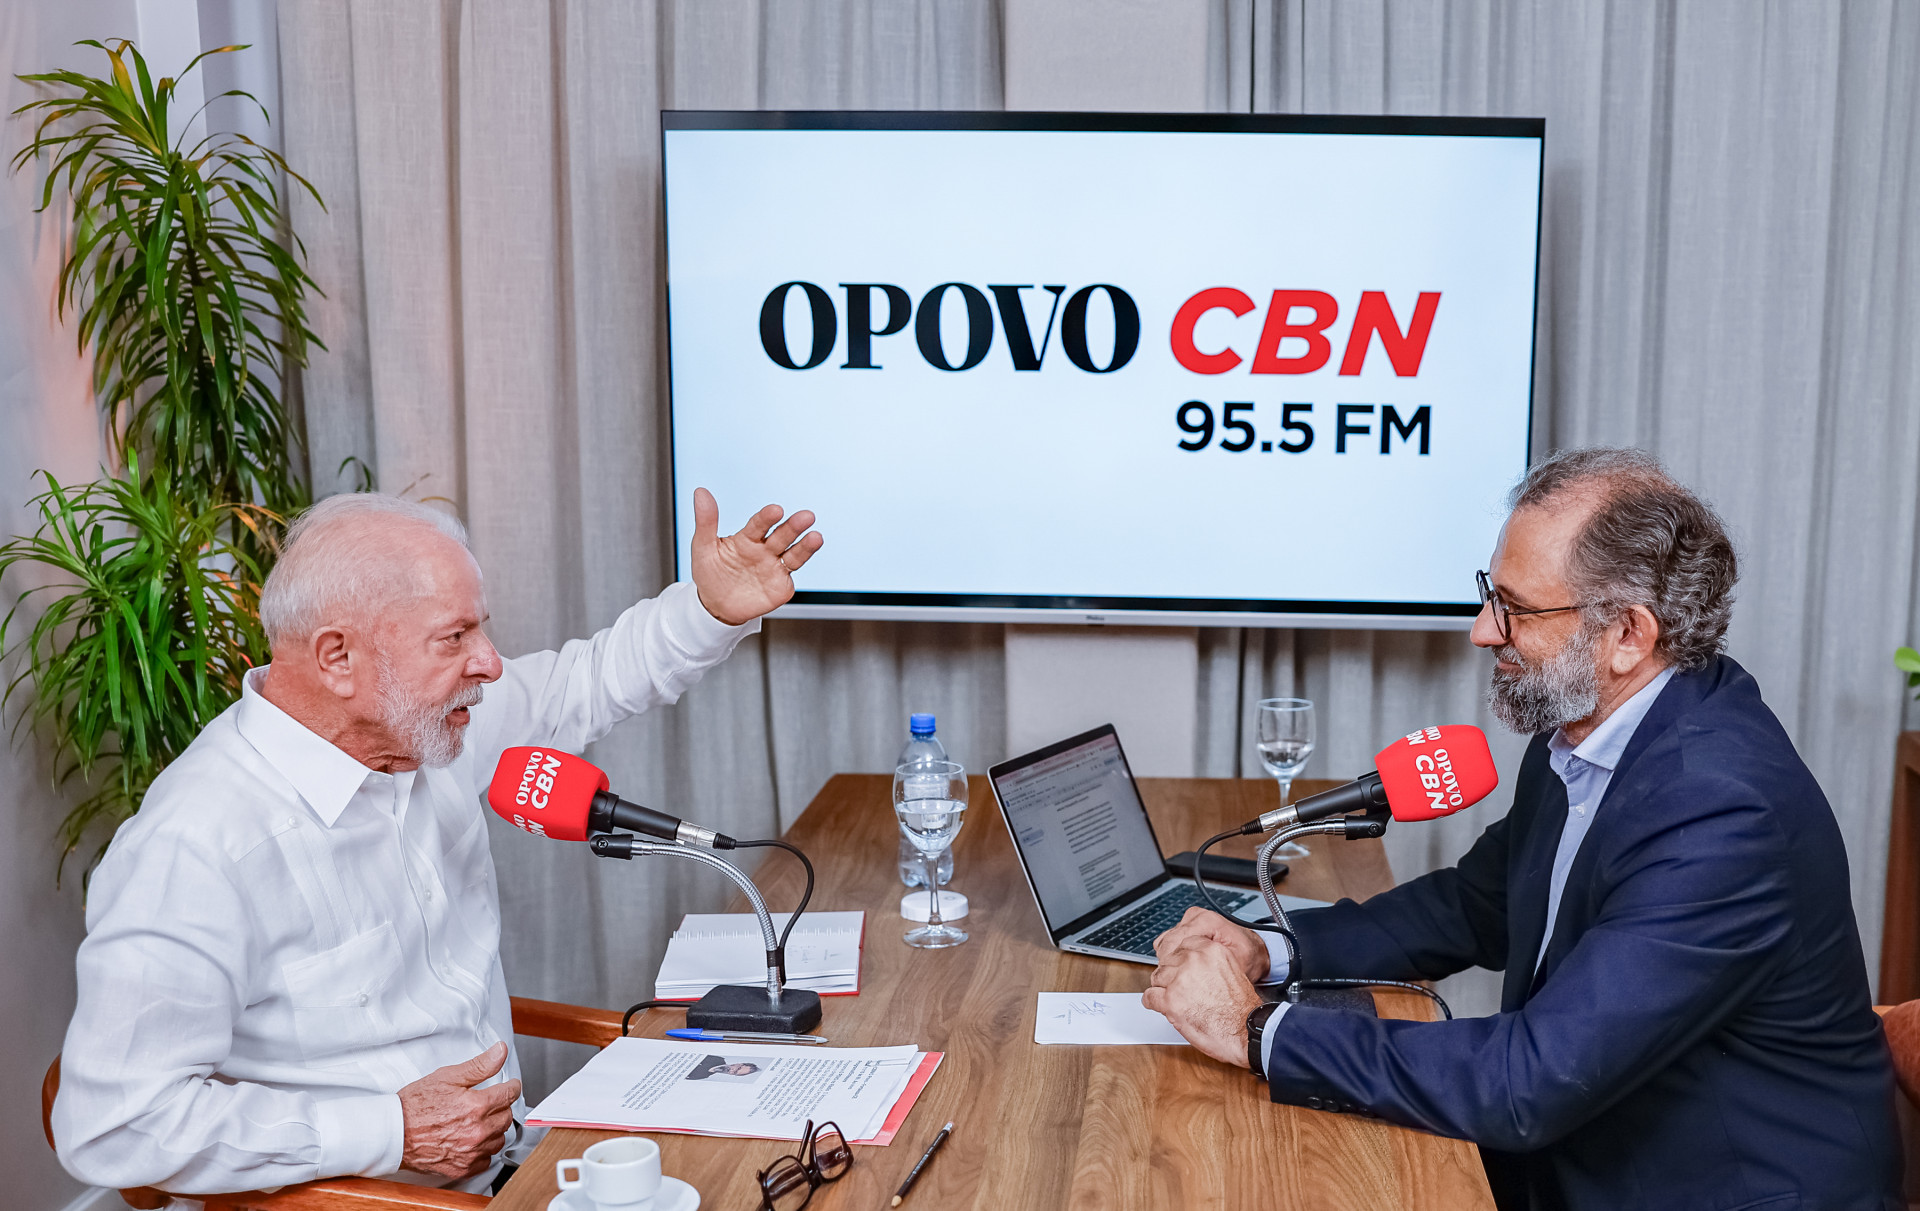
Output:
x,y
193,306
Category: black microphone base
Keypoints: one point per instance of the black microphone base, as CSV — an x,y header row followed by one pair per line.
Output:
x,y
747,1007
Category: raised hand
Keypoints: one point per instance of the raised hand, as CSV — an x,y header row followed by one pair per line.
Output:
x,y
742,576
453,1129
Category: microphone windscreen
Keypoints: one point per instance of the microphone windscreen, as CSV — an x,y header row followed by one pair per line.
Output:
x,y
1436,771
545,792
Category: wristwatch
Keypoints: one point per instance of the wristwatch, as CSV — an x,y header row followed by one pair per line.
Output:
x,y
1256,1028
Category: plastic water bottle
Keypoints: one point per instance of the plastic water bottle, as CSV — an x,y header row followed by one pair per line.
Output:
x,y
922,746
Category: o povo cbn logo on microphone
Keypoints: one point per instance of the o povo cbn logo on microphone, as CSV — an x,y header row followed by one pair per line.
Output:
x,y
536,789
545,792
1437,771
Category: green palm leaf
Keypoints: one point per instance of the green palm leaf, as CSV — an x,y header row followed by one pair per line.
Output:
x,y
192,306
178,282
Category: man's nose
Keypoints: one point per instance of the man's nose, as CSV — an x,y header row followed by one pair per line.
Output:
x,y
486,664
1486,632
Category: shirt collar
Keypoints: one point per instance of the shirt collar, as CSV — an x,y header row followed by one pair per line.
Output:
x,y
1605,743
322,774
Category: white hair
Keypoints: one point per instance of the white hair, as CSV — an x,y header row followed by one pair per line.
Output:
x,y
332,568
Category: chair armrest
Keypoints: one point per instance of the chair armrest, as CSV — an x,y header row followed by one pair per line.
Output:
x,y
1902,1024
49,1089
350,1194
567,1023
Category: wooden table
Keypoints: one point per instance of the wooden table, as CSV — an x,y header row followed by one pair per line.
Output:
x,y
1053,1127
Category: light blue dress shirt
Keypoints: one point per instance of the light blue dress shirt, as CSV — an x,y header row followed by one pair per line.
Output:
x,y
1586,769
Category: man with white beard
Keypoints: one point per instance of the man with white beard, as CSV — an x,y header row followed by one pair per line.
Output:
x,y
1685,1021
292,965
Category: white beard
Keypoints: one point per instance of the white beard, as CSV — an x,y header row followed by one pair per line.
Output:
x,y
421,728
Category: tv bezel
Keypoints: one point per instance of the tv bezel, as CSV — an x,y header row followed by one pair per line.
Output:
x,y
1097,610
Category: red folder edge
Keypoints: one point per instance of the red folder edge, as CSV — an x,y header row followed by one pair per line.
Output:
x,y
904,1106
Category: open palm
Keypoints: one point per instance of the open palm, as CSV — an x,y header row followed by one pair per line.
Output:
x,y
742,576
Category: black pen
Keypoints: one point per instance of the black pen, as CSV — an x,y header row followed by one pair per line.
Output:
x,y
924,1158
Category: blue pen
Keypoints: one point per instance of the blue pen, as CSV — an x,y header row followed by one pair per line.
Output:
x,y
741,1036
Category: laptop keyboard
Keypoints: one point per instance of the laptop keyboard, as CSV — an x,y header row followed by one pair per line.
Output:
x,y
1135,931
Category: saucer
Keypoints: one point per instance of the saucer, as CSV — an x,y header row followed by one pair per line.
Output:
x,y
675,1195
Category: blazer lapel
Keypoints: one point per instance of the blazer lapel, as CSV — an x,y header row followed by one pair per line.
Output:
x,y
1683,693
1530,881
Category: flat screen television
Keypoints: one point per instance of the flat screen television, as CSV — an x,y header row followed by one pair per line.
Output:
x,y
1127,368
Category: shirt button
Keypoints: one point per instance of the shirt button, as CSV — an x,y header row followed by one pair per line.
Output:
x,y
363,998
429,895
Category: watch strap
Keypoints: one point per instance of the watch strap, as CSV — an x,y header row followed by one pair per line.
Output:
x,y
1256,1032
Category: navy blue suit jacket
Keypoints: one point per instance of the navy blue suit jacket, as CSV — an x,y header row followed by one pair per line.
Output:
x,y
1700,1033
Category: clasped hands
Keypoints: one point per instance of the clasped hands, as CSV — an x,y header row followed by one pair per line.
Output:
x,y
1204,984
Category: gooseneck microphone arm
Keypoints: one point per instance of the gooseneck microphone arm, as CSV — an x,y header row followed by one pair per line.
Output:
x,y
625,846
1373,824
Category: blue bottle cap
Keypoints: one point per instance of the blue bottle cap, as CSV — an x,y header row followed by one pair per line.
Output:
x,y
920,725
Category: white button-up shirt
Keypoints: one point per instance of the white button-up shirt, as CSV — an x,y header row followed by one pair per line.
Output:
x,y
283,937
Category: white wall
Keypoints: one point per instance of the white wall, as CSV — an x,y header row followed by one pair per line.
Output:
x,y
47,420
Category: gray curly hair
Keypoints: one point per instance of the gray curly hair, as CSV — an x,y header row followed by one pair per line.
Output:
x,y
1650,542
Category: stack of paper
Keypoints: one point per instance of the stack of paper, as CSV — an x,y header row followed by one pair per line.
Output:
x,y
823,954
760,1091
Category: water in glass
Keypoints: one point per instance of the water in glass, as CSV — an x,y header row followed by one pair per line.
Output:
x,y
930,799
1284,740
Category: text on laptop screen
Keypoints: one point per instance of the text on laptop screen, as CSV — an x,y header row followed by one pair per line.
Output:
x,y
1081,828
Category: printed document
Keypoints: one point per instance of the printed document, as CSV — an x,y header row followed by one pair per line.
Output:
x,y
765,1091
1101,1018
823,954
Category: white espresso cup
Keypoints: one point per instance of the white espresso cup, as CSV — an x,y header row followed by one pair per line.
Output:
x,y
621,1173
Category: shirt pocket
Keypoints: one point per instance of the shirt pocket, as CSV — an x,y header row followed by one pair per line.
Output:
x,y
342,998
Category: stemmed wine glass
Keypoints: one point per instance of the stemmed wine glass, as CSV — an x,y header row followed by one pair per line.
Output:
x,y
930,798
1285,741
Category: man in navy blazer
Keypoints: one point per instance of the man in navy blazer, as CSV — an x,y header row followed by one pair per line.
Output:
x,y
1686,1020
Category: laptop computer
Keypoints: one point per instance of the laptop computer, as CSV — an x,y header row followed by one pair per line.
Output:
x,y
1089,853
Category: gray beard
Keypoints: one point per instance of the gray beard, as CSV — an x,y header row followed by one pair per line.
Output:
x,y
421,728
1541,697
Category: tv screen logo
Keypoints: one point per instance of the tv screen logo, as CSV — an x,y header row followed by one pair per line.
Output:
x,y
1301,315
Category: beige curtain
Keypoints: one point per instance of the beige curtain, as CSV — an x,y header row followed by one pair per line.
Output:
x,y
1730,278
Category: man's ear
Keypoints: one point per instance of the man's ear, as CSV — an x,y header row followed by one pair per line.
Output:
x,y
1636,633
335,660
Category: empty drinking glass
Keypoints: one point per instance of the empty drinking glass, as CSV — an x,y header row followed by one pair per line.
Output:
x,y
930,798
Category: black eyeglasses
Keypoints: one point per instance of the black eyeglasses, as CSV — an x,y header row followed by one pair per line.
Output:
x,y
823,1156
1503,614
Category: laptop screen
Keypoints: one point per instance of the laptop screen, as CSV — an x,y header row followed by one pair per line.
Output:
x,y
1080,826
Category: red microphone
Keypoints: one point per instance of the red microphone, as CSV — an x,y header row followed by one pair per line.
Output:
x,y
553,794
1432,772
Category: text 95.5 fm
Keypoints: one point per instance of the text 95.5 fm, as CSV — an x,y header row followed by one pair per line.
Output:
x,y
1289,427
